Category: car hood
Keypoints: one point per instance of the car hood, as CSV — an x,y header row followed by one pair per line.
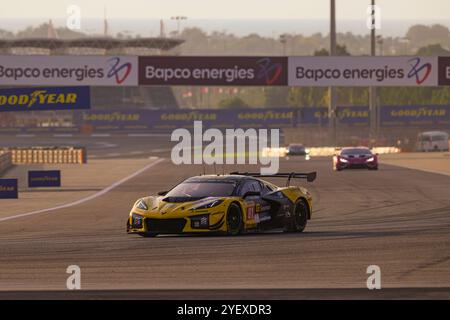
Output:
x,y
156,206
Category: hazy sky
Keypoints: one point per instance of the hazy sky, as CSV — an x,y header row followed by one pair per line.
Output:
x,y
223,9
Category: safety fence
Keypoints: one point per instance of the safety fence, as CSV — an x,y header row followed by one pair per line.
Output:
x,y
48,155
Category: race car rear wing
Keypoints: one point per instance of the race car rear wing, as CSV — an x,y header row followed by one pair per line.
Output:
x,y
310,176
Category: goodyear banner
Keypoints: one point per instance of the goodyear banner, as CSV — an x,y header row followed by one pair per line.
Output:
x,y
422,116
8,189
52,98
168,120
415,115
313,116
353,116
44,178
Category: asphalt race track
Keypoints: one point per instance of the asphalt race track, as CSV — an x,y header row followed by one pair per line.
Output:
x,y
398,219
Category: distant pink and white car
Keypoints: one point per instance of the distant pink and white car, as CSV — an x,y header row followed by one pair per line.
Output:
x,y
355,158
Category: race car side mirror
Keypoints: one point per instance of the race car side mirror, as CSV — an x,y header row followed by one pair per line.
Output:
x,y
162,193
251,194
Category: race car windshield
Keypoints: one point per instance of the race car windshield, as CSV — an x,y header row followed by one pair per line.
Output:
x,y
190,191
355,151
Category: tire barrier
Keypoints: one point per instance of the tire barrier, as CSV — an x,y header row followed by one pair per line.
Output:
x,y
48,155
5,161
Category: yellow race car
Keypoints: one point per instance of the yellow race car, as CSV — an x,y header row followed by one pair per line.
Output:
x,y
228,204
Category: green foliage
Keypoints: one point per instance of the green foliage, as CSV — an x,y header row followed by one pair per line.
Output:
x,y
433,50
233,103
421,35
4,34
341,50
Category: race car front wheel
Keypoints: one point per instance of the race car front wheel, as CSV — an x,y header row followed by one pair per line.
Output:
x,y
235,222
298,221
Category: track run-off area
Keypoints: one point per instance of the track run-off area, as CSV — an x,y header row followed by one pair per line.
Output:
x,y
396,218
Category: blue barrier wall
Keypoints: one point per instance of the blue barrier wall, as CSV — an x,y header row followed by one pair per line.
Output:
x,y
165,119
136,120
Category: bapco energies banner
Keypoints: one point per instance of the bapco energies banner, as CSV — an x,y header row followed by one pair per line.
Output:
x,y
243,71
363,71
69,70
444,71
45,98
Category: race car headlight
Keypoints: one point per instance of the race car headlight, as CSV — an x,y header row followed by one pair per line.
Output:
x,y
199,222
209,205
370,159
136,221
343,160
142,205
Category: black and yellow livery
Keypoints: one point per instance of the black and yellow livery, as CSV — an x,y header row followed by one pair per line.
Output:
x,y
227,204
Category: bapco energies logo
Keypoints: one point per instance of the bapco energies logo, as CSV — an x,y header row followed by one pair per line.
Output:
x,y
419,70
118,70
268,70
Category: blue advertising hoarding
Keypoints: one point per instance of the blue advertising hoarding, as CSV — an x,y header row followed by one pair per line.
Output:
x,y
9,189
172,119
419,116
44,178
139,120
48,98
354,116
313,116
435,115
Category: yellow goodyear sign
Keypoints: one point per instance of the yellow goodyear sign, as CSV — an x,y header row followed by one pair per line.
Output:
x,y
51,98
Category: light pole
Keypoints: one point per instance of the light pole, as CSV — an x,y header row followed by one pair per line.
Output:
x,y
283,40
332,90
380,44
178,19
372,90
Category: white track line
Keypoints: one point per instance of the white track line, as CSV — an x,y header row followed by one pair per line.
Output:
x,y
91,197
